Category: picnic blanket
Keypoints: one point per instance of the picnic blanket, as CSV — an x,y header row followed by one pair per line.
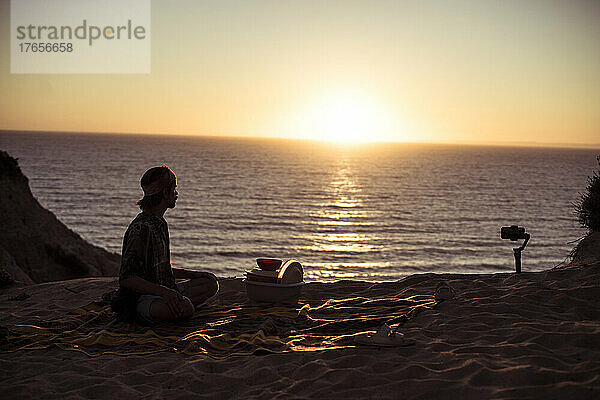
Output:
x,y
220,330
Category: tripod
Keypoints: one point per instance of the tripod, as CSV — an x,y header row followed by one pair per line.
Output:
x,y
517,251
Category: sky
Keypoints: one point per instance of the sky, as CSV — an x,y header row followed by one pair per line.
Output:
x,y
349,71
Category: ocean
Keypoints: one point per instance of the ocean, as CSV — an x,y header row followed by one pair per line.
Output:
x,y
372,212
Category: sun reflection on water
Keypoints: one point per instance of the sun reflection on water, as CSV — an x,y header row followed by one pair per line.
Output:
x,y
343,237
342,195
374,270
340,212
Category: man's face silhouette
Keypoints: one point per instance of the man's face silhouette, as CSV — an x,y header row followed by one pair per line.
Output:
x,y
172,196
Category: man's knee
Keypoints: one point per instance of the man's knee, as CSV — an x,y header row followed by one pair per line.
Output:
x,y
188,308
211,284
214,285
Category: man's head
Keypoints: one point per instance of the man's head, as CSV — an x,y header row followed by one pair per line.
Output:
x,y
158,184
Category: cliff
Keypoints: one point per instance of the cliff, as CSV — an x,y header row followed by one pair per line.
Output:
x,y
35,246
587,251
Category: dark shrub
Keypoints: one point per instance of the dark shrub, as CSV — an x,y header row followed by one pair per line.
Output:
x,y
588,207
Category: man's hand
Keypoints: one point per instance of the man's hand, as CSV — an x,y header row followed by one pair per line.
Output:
x,y
173,299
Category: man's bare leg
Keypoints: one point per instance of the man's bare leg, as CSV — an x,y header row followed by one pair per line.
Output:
x,y
201,289
160,311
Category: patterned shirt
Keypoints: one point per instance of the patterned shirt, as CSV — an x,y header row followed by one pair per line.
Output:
x,y
146,250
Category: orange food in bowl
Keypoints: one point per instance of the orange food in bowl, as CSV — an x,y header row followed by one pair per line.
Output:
x,y
268,264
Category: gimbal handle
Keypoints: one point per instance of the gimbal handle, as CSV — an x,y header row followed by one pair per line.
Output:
x,y
517,251
527,237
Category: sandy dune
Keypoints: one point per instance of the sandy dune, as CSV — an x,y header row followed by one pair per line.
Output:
x,y
533,335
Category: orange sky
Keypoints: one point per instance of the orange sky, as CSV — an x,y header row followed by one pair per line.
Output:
x,y
434,71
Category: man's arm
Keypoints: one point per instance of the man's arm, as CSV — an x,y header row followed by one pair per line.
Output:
x,y
142,286
134,262
180,273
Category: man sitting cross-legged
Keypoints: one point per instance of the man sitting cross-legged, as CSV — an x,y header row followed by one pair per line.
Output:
x,y
147,288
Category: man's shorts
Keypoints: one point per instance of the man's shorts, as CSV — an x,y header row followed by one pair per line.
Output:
x,y
145,301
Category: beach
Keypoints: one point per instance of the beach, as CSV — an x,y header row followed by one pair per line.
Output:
x,y
500,336
503,336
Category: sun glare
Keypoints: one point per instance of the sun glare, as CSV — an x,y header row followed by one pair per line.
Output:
x,y
347,117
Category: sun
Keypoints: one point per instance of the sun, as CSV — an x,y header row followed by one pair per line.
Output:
x,y
346,117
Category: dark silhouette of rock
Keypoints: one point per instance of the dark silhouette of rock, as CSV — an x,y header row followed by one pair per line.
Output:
x,y
34,245
10,271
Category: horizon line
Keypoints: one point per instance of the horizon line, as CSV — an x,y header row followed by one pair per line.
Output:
x,y
589,146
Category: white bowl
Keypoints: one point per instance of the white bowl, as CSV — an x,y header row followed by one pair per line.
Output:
x,y
273,292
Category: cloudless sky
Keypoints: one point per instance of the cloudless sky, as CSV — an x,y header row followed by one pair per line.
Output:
x,y
434,71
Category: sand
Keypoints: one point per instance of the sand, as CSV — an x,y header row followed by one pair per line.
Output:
x,y
504,336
